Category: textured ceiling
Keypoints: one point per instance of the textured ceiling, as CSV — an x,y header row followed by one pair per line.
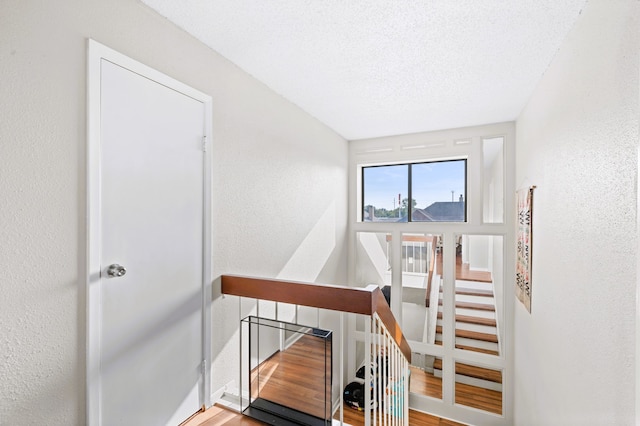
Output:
x,y
369,68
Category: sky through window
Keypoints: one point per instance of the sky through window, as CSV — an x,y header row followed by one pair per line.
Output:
x,y
431,182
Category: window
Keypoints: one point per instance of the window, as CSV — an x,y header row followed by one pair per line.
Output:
x,y
437,191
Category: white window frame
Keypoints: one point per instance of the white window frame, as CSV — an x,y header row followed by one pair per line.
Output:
x,y
465,143
410,182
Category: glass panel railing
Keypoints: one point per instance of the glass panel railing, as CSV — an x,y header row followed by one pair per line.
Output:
x,y
289,372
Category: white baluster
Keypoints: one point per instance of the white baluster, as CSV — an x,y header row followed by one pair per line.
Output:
x,y
367,372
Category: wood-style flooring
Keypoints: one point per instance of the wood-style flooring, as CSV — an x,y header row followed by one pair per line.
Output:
x,y
463,272
421,383
427,384
297,377
219,416
416,418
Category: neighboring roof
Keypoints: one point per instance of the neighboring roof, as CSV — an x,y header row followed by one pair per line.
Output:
x,y
446,211
440,211
421,216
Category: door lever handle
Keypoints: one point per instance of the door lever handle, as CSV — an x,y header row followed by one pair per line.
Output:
x,y
115,270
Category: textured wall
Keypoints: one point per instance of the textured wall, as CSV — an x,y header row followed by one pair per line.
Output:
x,y
280,185
577,140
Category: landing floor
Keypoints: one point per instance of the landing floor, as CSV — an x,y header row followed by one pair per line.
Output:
x,y
218,416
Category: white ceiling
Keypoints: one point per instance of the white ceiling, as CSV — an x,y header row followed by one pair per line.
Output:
x,y
370,68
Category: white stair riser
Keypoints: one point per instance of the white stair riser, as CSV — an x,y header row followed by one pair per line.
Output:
x,y
474,284
477,328
468,298
473,313
474,327
476,313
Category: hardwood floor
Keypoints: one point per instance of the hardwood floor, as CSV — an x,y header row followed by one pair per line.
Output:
x,y
463,272
218,416
416,418
296,377
427,384
476,397
421,383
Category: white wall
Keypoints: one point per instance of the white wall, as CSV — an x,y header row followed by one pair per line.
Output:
x,y
280,185
493,184
479,250
577,140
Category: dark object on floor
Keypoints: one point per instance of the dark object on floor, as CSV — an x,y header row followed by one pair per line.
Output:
x,y
354,395
376,372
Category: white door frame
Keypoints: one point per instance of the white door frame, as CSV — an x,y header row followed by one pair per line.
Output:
x,y
96,53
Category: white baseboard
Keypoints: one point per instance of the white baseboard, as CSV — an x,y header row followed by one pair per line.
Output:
x,y
229,388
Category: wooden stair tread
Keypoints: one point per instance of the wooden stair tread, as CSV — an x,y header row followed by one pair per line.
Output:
x,y
472,292
481,350
486,337
469,305
473,320
473,371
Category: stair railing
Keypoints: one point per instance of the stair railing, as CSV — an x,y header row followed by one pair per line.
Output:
x,y
432,264
387,374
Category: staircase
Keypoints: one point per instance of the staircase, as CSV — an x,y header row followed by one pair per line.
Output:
x,y
475,330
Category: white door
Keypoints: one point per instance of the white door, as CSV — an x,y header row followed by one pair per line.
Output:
x,y
148,247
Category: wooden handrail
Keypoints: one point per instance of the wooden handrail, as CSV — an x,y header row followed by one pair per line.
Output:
x,y
365,301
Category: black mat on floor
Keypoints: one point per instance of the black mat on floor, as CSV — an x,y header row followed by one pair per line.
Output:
x,y
276,414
